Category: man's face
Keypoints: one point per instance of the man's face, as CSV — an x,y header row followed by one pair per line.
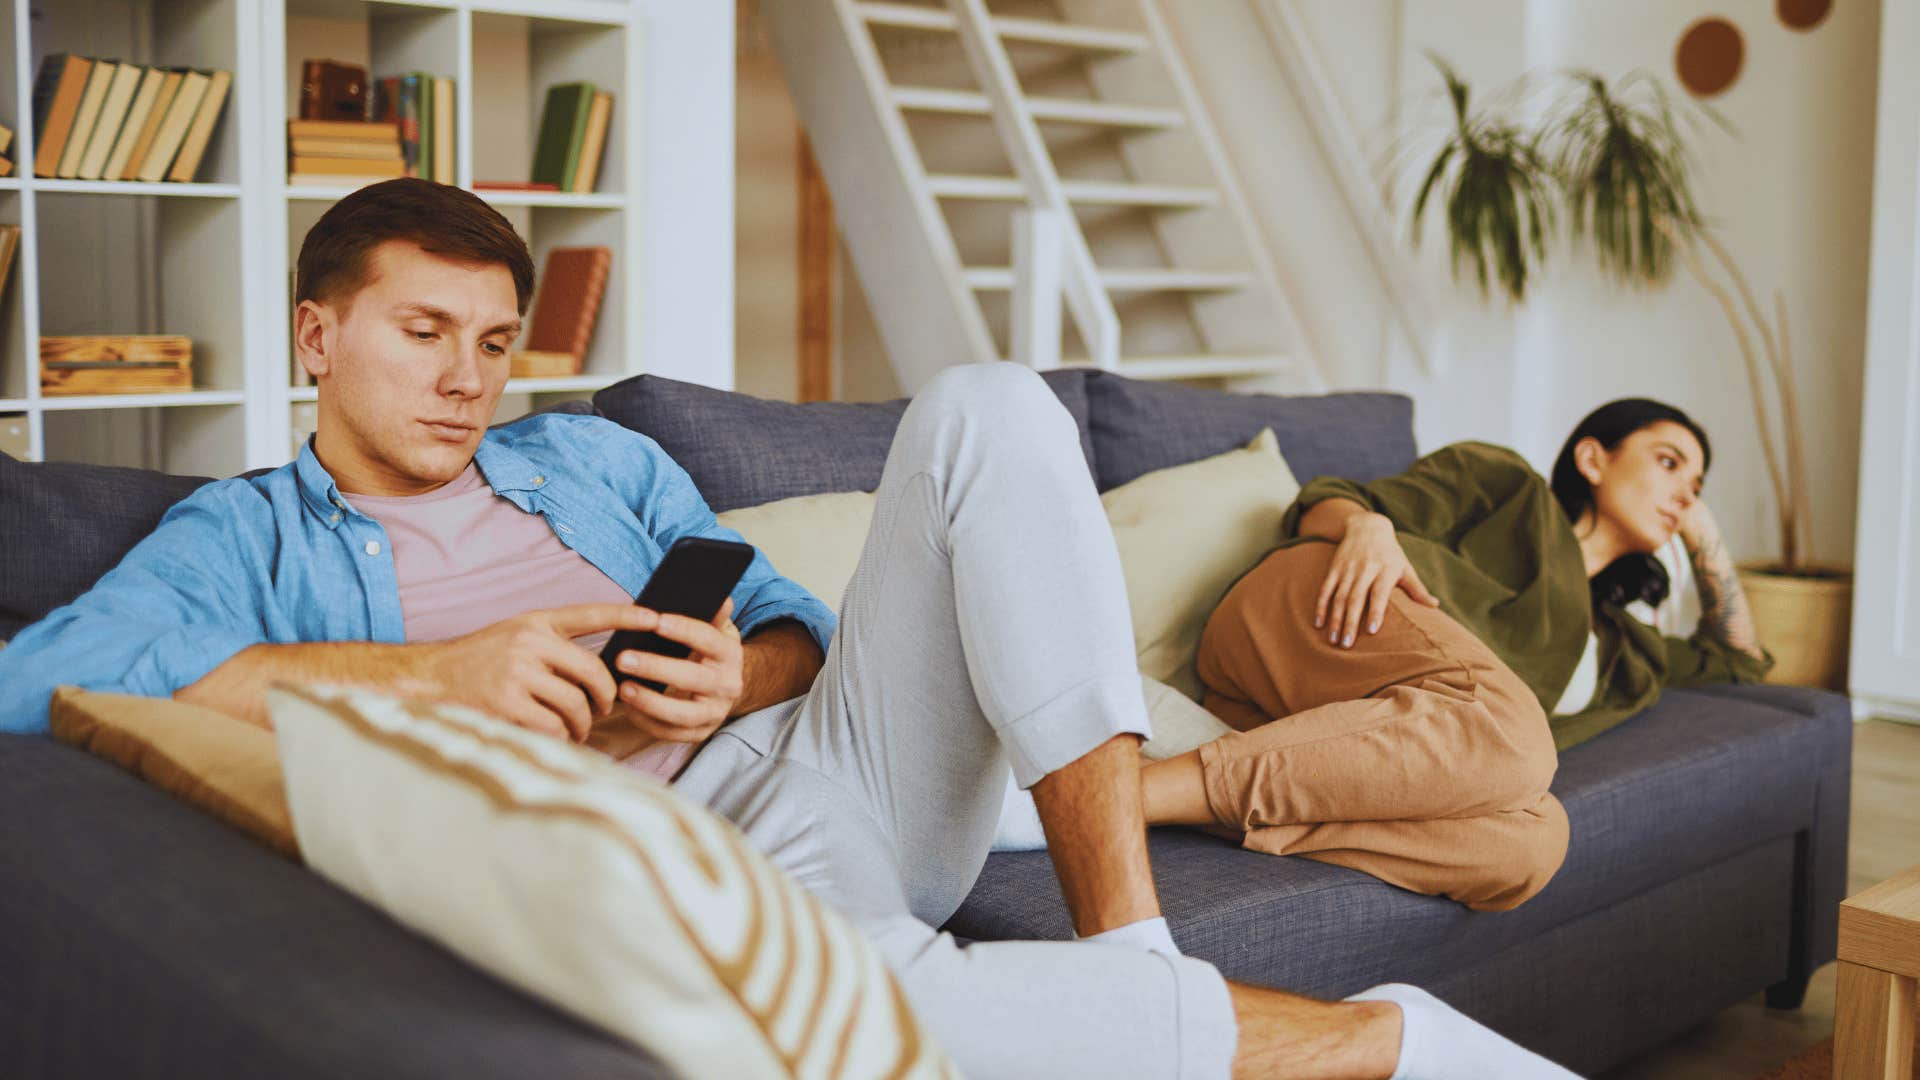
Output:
x,y
410,368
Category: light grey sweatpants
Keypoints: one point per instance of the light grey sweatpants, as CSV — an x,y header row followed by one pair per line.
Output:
x,y
986,623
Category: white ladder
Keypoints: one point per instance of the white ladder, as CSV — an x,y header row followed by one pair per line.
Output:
x,y
1129,212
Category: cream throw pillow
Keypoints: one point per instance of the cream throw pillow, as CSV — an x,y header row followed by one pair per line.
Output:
x,y
590,886
813,539
1179,723
1186,534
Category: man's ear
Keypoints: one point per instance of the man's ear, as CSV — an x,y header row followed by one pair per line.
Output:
x,y
1590,458
316,327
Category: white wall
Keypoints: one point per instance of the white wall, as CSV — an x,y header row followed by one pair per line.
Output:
x,y
1790,193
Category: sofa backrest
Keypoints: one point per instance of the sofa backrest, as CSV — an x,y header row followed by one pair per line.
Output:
x,y
62,525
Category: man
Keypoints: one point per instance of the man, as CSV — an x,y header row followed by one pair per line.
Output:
x,y
411,548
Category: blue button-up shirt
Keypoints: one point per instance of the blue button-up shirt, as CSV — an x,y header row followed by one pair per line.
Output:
x,y
284,558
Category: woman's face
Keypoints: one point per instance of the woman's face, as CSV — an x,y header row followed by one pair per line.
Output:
x,y
1643,488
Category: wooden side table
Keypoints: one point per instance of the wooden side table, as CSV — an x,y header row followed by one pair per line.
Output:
x,y
1879,963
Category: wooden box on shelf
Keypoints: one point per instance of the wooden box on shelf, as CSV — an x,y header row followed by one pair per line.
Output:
x,y
115,364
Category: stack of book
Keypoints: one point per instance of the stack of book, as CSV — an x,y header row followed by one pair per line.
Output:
x,y
107,120
422,106
6,150
344,153
573,135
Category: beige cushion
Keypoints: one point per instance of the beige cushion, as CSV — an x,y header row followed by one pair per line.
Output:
x,y
813,539
1186,534
1179,723
224,766
591,886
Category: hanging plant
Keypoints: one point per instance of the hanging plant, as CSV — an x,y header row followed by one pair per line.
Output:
x,y
1625,173
1498,194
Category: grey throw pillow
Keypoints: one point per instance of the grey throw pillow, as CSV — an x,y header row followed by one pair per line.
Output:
x,y
1139,426
745,451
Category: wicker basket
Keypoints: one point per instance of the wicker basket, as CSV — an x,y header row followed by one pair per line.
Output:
x,y
1804,619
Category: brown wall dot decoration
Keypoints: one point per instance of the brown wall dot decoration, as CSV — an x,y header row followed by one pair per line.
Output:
x,y
1708,57
1802,14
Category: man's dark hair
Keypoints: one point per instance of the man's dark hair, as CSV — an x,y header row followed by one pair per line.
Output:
x,y
1630,577
447,221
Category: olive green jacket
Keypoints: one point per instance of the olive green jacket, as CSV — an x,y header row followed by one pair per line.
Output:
x,y
1486,535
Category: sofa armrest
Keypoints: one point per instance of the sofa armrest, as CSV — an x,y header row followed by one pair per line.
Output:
x,y
140,937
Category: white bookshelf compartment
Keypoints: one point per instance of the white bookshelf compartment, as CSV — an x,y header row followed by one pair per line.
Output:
x,y
191,438
146,265
609,356
201,34
516,59
386,38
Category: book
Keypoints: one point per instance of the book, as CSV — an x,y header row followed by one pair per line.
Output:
x,y
173,129
57,90
513,185
359,130
423,164
6,139
595,143
6,166
204,120
113,113
563,121
9,244
442,130
388,151
136,122
96,95
403,101
571,286
347,166
169,86
542,365
332,180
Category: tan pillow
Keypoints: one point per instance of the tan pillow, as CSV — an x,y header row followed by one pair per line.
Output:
x,y
813,539
224,766
591,886
1186,534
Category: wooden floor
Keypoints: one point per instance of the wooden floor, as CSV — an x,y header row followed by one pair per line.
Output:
x,y
1750,1038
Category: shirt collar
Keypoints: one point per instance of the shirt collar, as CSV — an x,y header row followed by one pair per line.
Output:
x,y
505,470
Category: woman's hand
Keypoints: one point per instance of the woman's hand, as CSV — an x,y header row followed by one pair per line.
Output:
x,y
1367,566
1698,527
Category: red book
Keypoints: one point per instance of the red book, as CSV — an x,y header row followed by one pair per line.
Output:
x,y
569,300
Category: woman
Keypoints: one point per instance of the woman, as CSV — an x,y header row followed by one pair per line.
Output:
x,y
1403,669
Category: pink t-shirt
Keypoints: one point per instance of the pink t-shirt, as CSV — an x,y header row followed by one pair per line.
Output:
x,y
466,558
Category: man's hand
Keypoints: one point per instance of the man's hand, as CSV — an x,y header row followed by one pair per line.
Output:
x,y
527,670
700,690
1366,568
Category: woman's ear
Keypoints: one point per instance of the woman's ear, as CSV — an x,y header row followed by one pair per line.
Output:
x,y
315,328
1591,459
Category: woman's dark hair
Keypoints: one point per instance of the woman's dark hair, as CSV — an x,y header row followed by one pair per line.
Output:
x,y
1630,577
443,220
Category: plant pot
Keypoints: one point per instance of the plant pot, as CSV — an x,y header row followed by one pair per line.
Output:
x,y
1804,619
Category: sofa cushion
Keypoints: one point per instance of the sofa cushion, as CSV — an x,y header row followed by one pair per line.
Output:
x,y
591,886
744,451
1139,426
815,540
1185,535
205,758
1696,780
63,525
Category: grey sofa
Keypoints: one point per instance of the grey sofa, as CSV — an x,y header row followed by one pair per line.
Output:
x,y
141,938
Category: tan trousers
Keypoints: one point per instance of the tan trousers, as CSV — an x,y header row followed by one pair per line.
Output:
x,y
1415,756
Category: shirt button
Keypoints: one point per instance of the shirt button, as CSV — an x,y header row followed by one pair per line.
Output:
x,y
373,547
538,480
335,517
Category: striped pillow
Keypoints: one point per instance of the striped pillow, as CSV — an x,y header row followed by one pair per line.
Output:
x,y
590,886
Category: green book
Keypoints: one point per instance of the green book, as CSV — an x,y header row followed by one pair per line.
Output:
x,y
426,124
563,128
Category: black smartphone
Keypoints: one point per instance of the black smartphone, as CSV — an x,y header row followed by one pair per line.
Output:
x,y
694,579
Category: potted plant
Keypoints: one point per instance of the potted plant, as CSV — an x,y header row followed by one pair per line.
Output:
x,y
1615,158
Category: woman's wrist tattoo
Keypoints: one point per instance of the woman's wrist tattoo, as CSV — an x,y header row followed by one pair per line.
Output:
x,y
1723,604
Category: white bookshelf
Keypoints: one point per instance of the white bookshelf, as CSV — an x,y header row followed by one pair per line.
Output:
x,y
211,259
